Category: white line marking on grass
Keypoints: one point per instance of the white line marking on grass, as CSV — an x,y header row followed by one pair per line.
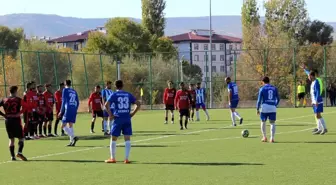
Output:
x,y
156,138
226,138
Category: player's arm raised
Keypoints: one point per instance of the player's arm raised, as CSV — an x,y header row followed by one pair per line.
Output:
x,y
259,100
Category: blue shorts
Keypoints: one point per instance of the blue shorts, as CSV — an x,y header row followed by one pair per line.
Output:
x,y
200,105
271,116
121,126
234,104
318,108
105,114
69,117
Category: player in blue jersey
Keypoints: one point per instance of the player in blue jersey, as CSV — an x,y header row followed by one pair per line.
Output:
x,y
70,104
317,103
200,101
106,93
118,107
268,100
233,99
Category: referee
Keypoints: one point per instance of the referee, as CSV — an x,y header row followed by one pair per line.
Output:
x,y
301,93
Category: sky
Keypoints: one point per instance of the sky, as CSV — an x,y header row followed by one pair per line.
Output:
x,y
318,9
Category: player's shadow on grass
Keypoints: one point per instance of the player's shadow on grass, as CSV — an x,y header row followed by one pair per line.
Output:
x,y
207,164
293,125
69,161
87,137
308,142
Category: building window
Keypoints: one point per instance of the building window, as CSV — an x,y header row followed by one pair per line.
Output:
x,y
222,68
206,58
221,47
230,47
213,46
222,57
206,69
196,58
213,57
213,69
76,47
231,58
206,47
196,47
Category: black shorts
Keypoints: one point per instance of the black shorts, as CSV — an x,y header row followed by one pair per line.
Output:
x,y
98,113
33,117
184,112
301,95
170,107
193,105
14,128
49,116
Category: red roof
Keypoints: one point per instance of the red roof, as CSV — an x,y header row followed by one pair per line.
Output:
x,y
73,37
191,36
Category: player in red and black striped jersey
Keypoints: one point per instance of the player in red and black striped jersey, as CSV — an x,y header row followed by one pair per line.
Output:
x,y
95,106
193,101
41,110
168,100
13,107
49,116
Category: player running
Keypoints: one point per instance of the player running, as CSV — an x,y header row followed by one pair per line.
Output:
x,y
70,104
200,101
233,99
317,103
168,100
41,111
106,93
12,106
95,106
58,102
193,101
49,116
118,106
182,102
268,100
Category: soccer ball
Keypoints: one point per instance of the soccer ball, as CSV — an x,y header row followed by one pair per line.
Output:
x,y
245,133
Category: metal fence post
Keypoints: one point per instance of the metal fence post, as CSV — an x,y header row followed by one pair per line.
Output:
x,y
206,69
294,75
70,68
55,69
235,66
151,83
39,67
22,69
101,69
4,71
325,73
86,76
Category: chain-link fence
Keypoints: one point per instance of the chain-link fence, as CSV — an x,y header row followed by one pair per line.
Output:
x,y
150,72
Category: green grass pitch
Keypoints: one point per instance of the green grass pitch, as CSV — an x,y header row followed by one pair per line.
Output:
x,y
208,153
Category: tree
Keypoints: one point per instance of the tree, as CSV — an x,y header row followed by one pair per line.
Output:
x,y
319,32
10,39
43,63
164,47
288,16
153,16
127,36
192,72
